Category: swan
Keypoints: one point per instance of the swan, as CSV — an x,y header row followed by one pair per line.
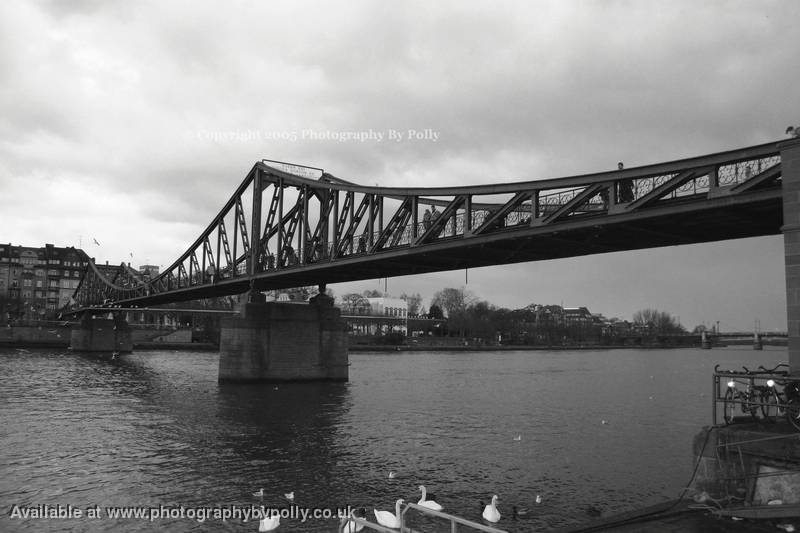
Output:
x,y
430,504
391,475
289,496
387,519
538,498
518,437
268,523
259,494
490,512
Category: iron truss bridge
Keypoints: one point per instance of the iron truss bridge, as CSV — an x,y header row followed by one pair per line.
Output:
x,y
289,225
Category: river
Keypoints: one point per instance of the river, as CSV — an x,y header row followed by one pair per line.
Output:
x,y
588,431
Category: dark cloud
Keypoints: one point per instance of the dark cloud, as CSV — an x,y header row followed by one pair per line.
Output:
x,y
158,111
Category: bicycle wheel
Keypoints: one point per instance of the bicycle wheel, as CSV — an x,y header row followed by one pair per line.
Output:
x,y
769,404
729,406
793,412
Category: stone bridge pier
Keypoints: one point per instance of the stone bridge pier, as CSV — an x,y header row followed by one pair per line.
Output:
x,y
276,341
102,334
790,176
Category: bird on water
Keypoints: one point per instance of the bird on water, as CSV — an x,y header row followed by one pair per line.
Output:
x,y
490,512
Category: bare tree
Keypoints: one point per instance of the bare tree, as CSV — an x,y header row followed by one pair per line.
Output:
x,y
658,321
414,302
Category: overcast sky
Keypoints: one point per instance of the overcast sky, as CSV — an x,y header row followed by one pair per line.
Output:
x,y
132,122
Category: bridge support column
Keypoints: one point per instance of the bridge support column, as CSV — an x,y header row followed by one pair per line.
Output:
x,y
790,176
273,341
101,334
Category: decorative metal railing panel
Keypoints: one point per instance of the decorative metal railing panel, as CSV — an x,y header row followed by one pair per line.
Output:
x,y
284,217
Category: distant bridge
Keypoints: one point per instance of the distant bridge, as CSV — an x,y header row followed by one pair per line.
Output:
x,y
289,225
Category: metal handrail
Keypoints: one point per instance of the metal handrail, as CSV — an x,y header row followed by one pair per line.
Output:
x,y
454,520
366,523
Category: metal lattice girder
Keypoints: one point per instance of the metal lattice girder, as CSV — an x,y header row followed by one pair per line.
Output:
x,y
224,238
320,232
544,219
355,219
397,222
242,225
208,256
341,225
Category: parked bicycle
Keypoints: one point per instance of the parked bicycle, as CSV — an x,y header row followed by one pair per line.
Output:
x,y
785,402
748,400
777,394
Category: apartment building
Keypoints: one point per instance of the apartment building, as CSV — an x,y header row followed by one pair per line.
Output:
x,y
35,282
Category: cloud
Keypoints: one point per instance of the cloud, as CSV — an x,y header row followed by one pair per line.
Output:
x,y
155,112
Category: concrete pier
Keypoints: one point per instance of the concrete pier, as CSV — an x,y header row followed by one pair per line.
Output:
x,y
749,464
790,176
101,334
273,341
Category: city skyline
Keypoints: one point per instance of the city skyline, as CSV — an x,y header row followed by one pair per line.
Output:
x,y
127,127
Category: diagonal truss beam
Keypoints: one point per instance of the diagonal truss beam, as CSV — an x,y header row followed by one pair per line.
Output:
x,y
665,188
768,175
578,200
493,220
438,225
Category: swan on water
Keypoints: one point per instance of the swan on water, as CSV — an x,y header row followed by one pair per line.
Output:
x,y
259,494
387,519
430,504
490,512
289,496
268,523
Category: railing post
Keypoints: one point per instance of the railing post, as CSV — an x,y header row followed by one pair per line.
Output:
x,y
790,177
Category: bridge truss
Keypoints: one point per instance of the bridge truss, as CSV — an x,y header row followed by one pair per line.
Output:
x,y
289,225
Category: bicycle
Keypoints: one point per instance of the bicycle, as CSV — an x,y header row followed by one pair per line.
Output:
x,y
747,399
775,402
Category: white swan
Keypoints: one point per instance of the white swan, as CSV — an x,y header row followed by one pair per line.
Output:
x,y
430,504
289,496
259,494
268,523
392,475
387,519
490,512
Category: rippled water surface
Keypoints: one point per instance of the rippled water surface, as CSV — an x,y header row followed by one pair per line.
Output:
x,y
154,429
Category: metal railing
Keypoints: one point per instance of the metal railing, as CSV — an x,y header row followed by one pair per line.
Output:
x,y
455,521
763,395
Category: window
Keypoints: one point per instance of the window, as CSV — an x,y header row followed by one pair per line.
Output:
x,y
38,284
52,272
27,283
40,272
